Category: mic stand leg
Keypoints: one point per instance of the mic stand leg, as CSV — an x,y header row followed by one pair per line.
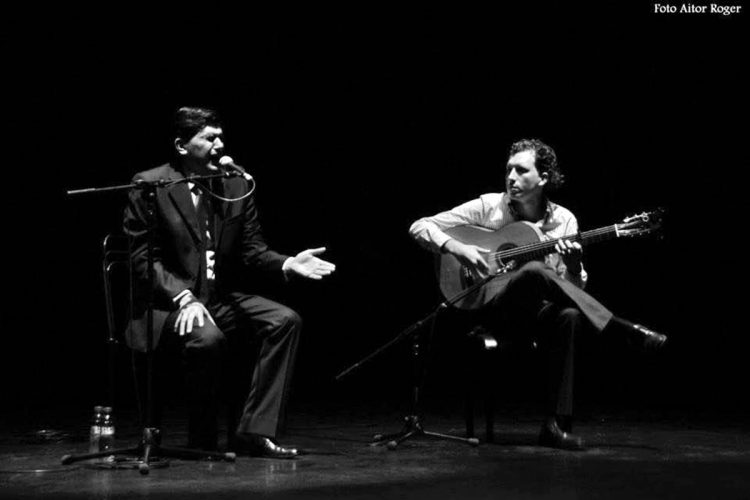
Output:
x,y
413,425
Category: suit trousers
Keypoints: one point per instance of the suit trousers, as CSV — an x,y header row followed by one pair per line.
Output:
x,y
537,302
250,353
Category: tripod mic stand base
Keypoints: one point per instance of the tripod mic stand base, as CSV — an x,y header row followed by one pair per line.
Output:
x,y
149,454
133,462
413,427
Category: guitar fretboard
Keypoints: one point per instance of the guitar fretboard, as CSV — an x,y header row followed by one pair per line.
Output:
x,y
542,248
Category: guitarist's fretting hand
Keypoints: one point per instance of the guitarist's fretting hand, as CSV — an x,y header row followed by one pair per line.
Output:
x,y
571,254
469,255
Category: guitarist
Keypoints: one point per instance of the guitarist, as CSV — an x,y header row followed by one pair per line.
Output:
x,y
543,297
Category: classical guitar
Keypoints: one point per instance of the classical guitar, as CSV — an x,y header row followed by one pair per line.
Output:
x,y
513,245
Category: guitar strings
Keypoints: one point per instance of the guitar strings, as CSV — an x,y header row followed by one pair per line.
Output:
x,y
535,247
546,245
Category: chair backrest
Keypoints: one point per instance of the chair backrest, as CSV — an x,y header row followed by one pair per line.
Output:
x,y
117,283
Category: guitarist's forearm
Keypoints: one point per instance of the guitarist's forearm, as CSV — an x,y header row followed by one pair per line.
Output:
x,y
428,235
450,246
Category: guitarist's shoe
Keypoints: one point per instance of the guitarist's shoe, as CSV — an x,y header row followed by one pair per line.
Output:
x,y
648,340
554,437
637,335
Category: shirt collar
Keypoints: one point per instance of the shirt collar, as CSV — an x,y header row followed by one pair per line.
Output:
x,y
548,209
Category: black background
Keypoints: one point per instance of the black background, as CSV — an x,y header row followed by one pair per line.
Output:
x,y
356,123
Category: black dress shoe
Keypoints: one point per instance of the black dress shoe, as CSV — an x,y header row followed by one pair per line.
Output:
x,y
638,336
261,446
646,339
554,437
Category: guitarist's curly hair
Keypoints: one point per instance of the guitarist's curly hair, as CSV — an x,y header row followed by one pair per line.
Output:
x,y
545,160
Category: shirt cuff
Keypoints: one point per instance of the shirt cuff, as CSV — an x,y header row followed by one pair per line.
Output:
x,y
183,298
439,238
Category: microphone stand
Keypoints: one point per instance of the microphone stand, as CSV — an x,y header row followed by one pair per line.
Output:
x,y
413,425
149,450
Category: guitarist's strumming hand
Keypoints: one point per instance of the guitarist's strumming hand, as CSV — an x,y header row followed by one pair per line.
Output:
x,y
469,255
571,253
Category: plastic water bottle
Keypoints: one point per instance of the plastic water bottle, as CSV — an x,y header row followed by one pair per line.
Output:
x,y
107,438
95,433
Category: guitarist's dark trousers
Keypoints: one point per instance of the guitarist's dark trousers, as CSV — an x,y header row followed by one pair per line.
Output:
x,y
537,302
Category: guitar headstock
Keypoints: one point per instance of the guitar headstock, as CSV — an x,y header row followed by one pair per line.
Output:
x,y
641,224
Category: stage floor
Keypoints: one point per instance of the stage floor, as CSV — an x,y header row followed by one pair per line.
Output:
x,y
645,455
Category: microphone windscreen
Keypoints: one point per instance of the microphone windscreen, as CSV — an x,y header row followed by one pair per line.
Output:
x,y
228,163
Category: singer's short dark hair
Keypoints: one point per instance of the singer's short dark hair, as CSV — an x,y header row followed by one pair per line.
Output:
x,y
188,121
545,160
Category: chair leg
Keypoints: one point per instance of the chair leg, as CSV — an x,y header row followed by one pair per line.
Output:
x,y
487,396
480,382
469,411
489,414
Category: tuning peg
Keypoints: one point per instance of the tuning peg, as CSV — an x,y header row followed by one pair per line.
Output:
x,y
642,217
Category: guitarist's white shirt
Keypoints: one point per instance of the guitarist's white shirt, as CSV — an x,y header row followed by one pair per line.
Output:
x,y
492,211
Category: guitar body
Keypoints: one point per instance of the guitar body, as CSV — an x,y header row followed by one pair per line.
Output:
x,y
454,277
512,246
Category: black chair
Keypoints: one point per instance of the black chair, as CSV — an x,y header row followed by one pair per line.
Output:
x,y
118,292
115,269
482,348
486,350
118,298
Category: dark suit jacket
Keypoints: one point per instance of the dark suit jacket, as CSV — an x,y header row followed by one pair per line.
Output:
x,y
178,246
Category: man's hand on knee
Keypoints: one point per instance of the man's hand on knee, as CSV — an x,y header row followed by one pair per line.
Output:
x,y
190,312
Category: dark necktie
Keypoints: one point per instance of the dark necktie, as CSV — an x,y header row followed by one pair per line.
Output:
x,y
205,211
205,226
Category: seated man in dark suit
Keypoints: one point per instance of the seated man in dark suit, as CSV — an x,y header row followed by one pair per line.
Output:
x,y
543,297
209,254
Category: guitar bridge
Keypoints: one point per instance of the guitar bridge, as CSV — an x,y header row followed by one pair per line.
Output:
x,y
506,268
467,276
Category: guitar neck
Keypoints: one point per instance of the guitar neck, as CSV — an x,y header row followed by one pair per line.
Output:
x,y
542,248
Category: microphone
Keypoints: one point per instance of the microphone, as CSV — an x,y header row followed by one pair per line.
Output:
x,y
227,163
